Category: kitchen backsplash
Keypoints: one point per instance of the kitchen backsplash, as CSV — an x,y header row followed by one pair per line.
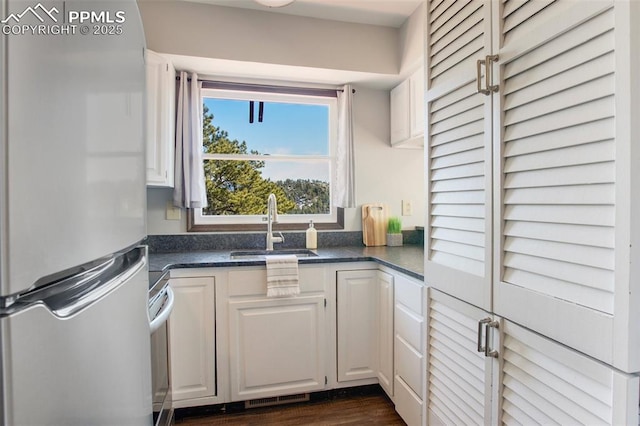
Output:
x,y
234,241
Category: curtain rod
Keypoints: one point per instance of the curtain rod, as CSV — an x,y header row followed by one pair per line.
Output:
x,y
264,88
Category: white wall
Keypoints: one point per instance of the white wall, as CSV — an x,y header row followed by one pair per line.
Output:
x,y
411,42
195,29
384,174
157,199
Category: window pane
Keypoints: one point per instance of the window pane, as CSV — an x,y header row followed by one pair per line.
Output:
x,y
242,187
286,128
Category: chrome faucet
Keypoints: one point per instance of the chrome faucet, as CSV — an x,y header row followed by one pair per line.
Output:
x,y
272,217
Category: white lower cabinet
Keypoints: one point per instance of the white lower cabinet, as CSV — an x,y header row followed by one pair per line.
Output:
x,y
365,326
357,311
276,346
384,326
515,376
192,338
409,350
264,347
380,334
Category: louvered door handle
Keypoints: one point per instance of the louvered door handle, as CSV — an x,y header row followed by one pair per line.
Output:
x,y
479,64
481,323
488,75
488,352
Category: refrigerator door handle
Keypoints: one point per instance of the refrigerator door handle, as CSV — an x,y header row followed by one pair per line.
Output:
x,y
76,293
163,315
96,294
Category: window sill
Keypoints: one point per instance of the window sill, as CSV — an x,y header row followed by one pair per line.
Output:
x,y
193,227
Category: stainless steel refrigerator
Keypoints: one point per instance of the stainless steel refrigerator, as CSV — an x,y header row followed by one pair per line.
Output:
x,y
74,327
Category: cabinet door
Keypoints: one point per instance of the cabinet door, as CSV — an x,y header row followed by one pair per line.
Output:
x,y
400,118
161,86
458,374
544,382
416,104
528,379
458,152
563,220
192,338
385,331
276,346
357,335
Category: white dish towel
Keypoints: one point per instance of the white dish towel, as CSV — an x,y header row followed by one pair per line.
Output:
x,y
282,276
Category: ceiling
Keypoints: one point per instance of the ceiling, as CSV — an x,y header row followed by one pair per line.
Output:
x,y
390,13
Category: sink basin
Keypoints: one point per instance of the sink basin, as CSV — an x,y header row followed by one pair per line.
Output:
x,y
263,254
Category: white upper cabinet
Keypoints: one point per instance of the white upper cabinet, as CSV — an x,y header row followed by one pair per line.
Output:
x,y
530,184
161,93
416,105
400,117
407,112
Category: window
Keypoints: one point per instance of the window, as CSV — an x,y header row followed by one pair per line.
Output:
x,y
257,143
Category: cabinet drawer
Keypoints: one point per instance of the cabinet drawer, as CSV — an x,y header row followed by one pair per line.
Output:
x,y
408,365
254,282
408,404
409,326
409,293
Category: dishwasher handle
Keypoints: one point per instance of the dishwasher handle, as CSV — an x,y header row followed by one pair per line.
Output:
x,y
163,315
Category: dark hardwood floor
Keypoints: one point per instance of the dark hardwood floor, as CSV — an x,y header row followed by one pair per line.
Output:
x,y
374,409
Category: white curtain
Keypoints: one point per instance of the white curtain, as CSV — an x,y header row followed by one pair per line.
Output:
x,y
189,190
344,194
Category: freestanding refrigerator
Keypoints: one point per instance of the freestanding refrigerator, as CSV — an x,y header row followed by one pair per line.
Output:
x,y
74,327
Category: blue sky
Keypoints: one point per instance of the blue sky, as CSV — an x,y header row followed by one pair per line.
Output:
x,y
286,128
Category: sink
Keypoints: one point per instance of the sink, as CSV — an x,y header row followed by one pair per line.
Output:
x,y
263,254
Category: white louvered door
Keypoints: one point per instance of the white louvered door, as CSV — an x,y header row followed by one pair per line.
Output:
x,y
529,379
562,218
458,151
533,206
544,382
459,377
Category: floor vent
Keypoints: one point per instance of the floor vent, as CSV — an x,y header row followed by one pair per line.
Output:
x,y
276,400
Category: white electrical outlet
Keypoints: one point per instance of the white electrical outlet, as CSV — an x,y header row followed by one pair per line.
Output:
x,y
172,212
407,208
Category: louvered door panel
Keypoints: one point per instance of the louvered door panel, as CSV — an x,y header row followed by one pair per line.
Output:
x,y
459,185
457,35
557,183
458,149
571,260
457,373
544,382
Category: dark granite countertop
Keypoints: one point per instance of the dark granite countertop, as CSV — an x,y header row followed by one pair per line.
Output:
x,y
408,259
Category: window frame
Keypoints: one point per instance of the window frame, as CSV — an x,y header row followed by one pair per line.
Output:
x,y
197,222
